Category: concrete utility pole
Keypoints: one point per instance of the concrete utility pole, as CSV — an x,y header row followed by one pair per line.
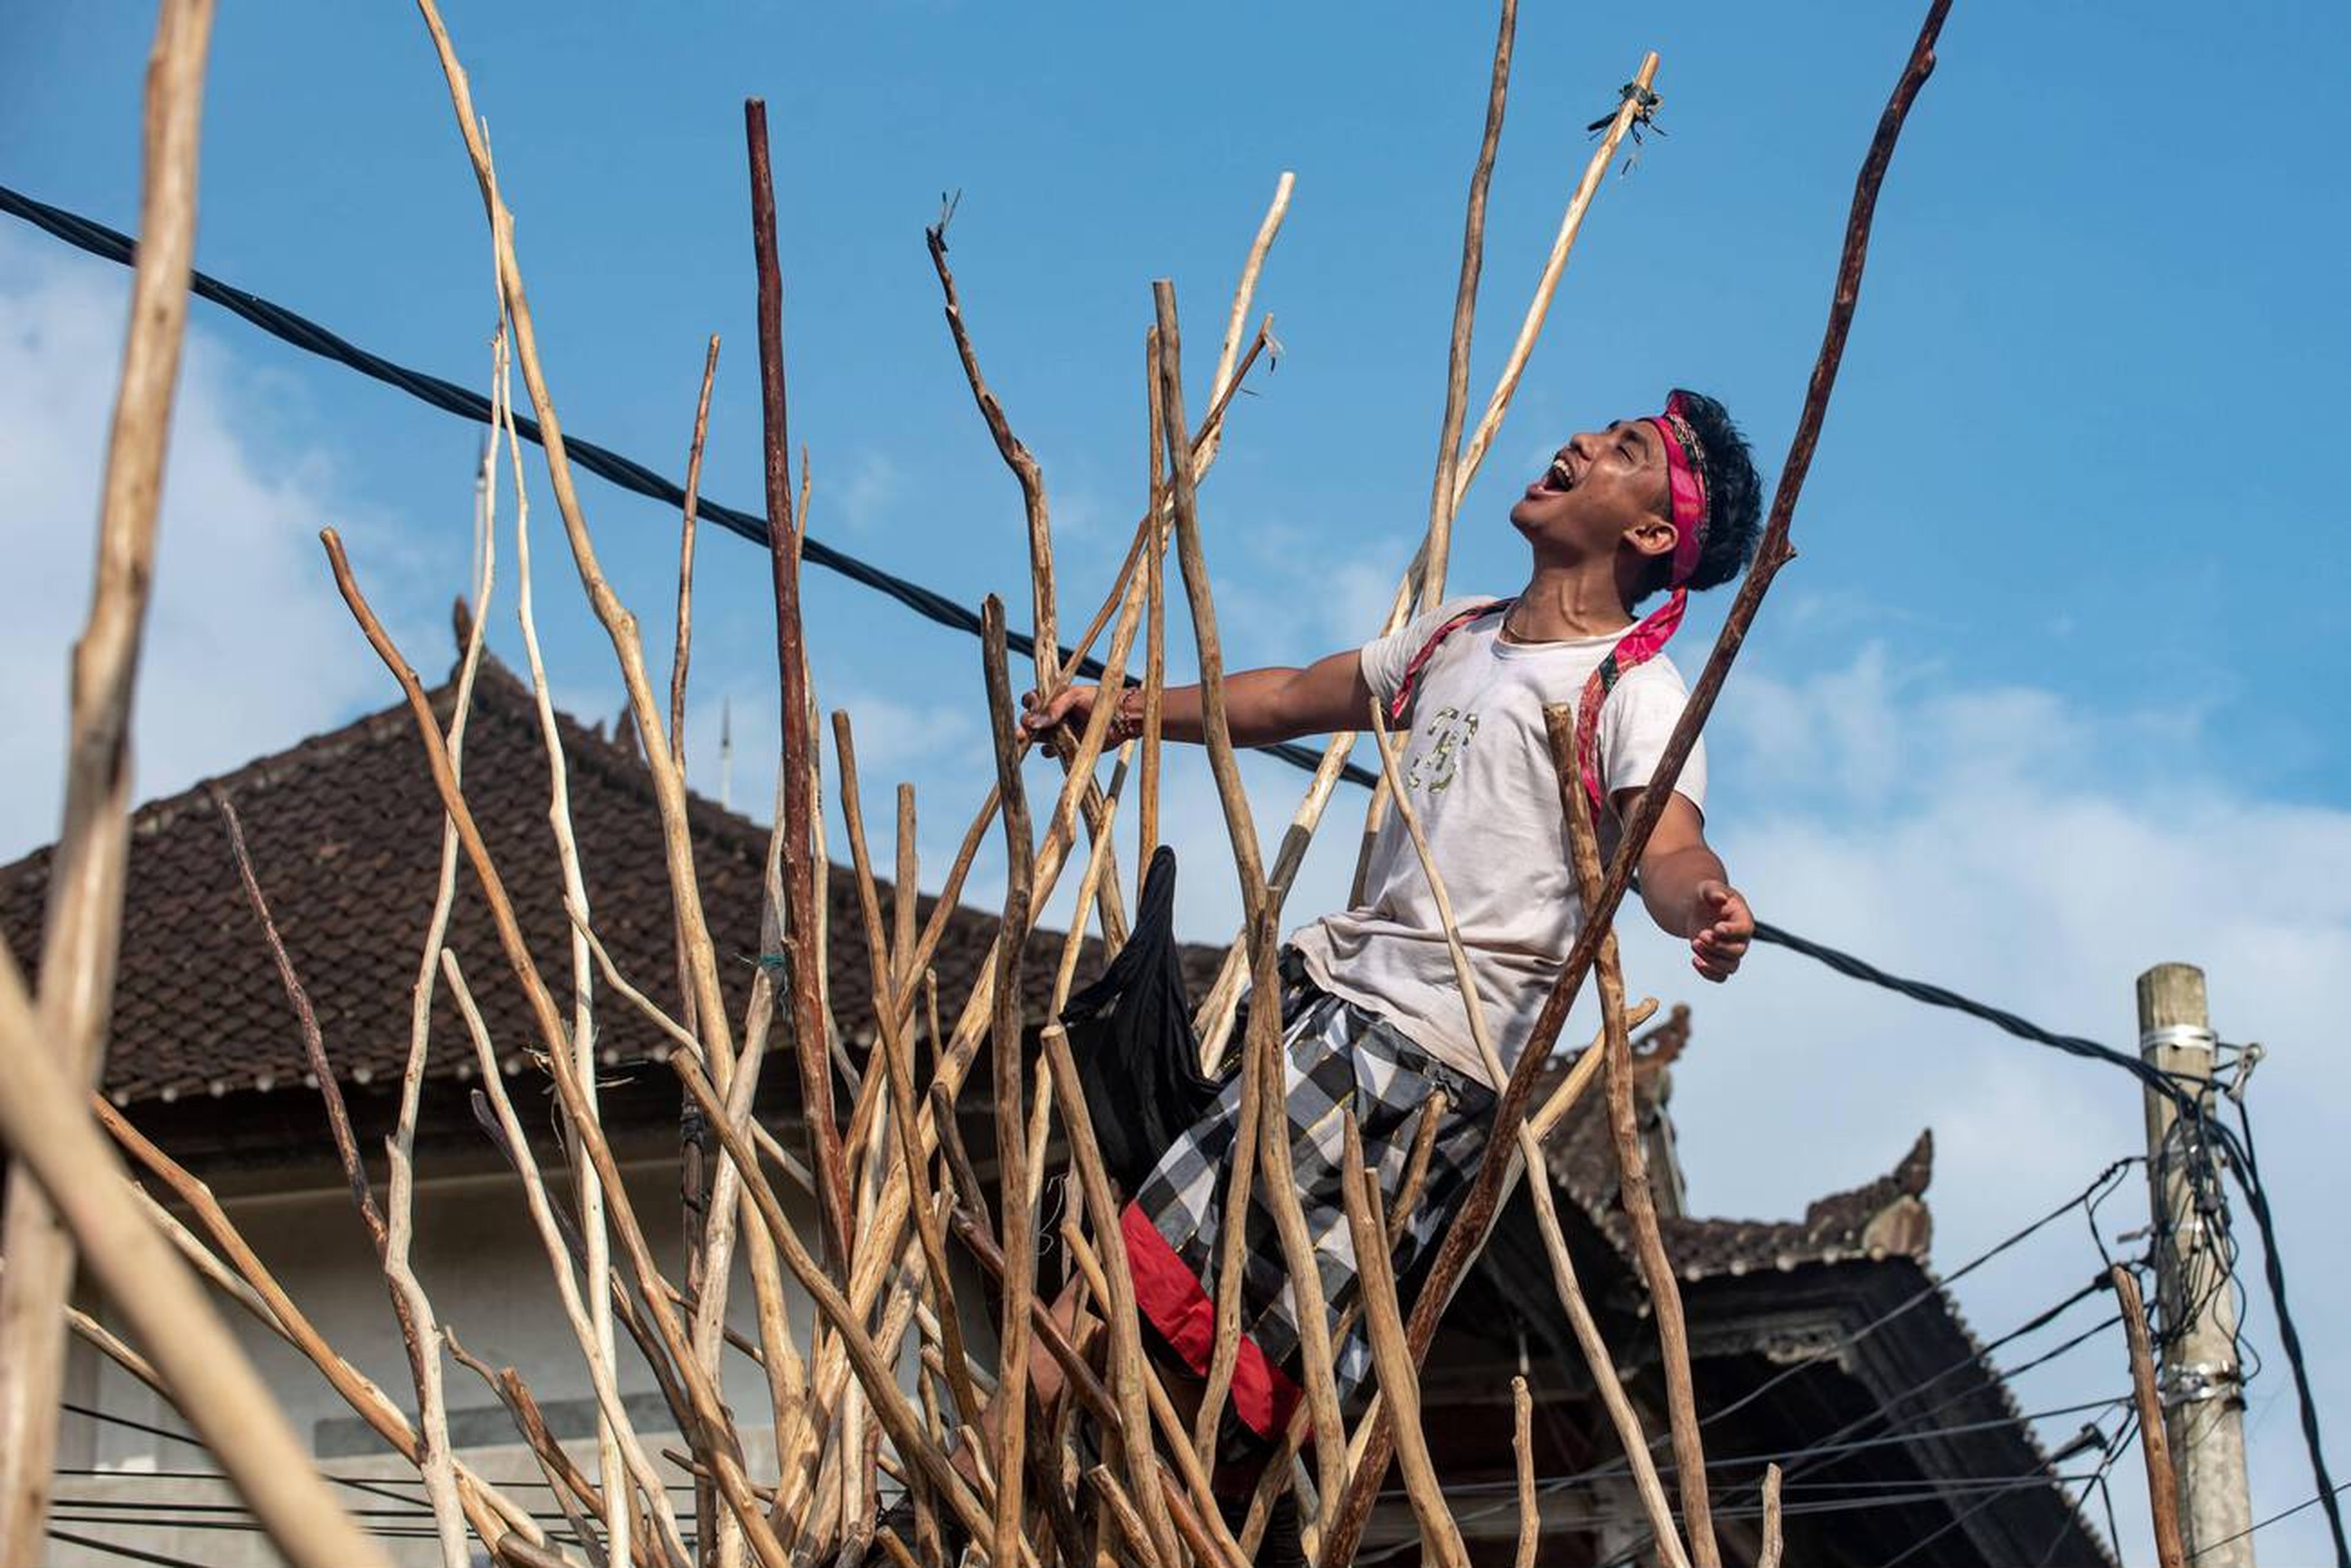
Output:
x,y
2203,1395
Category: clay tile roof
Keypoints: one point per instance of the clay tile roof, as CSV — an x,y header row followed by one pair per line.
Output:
x,y
345,831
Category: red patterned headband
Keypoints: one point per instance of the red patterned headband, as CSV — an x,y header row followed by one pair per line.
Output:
x,y
1685,479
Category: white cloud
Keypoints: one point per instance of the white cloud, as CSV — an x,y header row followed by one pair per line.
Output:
x,y
875,485
2021,850
247,647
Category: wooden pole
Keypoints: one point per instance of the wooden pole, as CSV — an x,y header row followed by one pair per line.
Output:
x,y
1631,1165
2162,1484
1467,1236
2203,1402
798,745
57,1144
85,905
1014,1220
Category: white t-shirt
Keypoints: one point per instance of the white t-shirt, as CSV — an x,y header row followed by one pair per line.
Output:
x,y
1478,769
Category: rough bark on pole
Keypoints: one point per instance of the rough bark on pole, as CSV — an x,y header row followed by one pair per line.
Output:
x,y
1128,1369
1004,1051
897,1065
800,871
1769,1555
1463,1240
85,903
1154,657
1264,1064
1017,457
1442,499
1522,1447
57,1144
2162,1484
1632,1167
1596,1353
1440,1536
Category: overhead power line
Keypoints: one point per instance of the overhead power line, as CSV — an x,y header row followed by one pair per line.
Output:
x,y
630,475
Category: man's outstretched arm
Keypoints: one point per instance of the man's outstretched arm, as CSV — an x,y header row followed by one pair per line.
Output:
x,y
1262,707
1687,892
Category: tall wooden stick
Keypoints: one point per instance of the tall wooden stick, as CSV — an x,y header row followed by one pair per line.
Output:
x,y
1463,1240
2162,1481
1128,1369
85,900
1015,1219
694,1179
411,1309
43,1122
1598,1358
1017,457
1265,1066
1023,464
575,888
1522,1447
1155,658
682,647
798,746
620,625
1768,1555
1632,1165
1443,498
1383,1325
897,1063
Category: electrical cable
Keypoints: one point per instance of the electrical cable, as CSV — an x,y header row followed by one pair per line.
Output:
x,y
628,474
2326,1497
114,1549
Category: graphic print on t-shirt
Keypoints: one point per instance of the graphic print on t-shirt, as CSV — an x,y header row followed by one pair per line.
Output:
x,y
1476,756
1449,732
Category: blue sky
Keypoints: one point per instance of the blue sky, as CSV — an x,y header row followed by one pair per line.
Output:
x,y
2048,695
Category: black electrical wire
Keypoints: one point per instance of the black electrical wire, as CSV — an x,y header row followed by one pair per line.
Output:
x,y
601,461
112,1548
2326,1497
2249,1178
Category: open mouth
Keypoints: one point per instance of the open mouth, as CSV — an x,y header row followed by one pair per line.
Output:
x,y
1557,480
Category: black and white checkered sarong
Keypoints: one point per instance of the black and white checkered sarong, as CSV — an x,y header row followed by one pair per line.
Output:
x,y
1337,1057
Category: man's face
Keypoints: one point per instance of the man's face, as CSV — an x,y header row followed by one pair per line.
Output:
x,y
1600,485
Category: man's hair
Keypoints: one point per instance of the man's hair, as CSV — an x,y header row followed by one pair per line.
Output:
x,y
1734,500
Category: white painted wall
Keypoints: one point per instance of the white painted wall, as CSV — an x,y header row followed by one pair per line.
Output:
x,y
479,1257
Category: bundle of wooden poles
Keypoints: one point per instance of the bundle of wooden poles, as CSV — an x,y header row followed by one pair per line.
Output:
x,y
879,1396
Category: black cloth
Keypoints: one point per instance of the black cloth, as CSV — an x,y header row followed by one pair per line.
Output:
x,y
1138,1058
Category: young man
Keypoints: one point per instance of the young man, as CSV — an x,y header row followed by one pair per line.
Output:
x,y
1374,1021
